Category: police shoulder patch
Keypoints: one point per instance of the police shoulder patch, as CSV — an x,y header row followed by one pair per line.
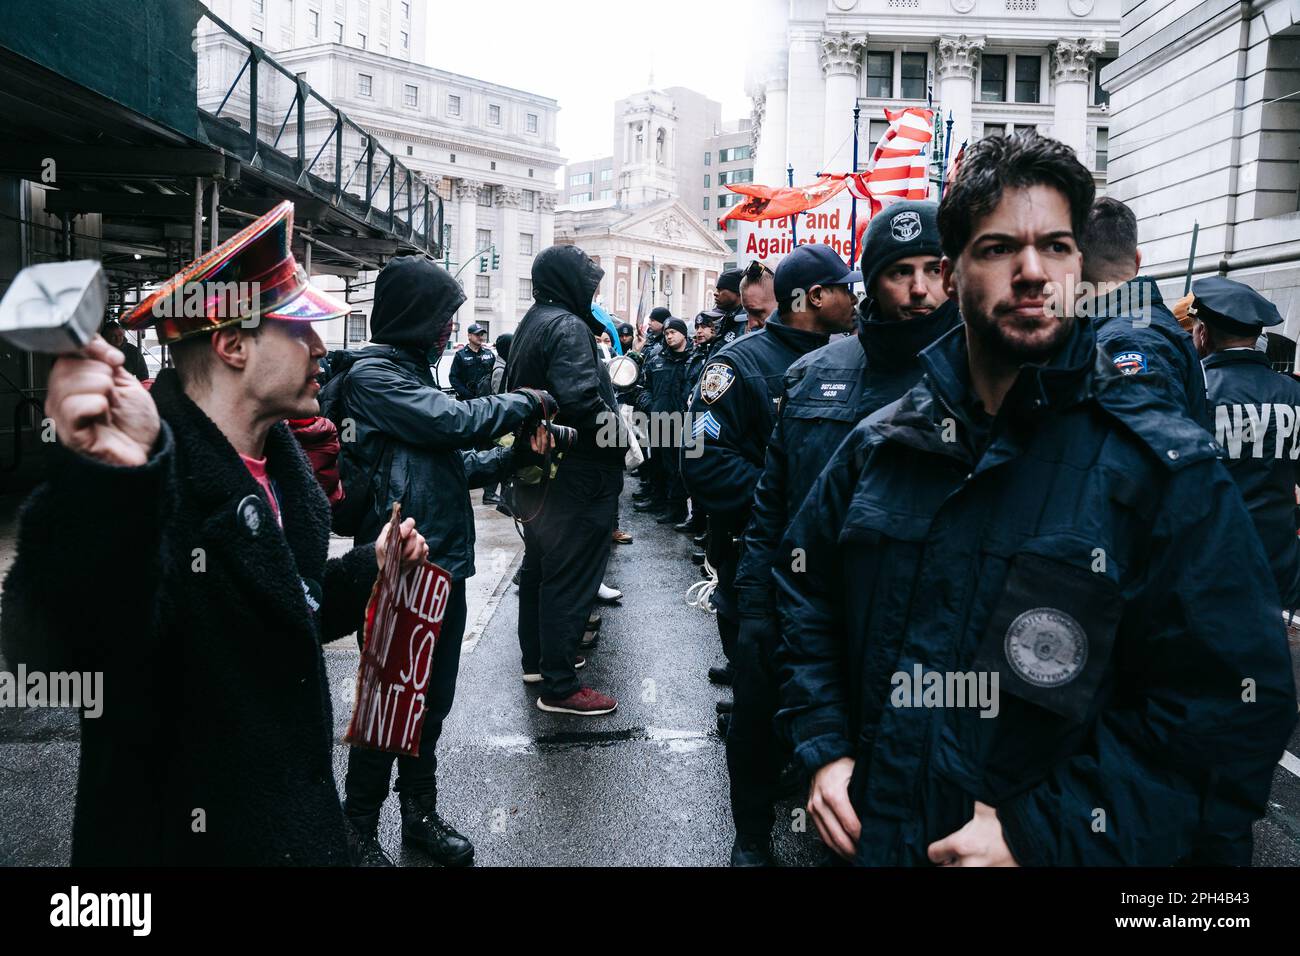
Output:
x,y
1046,647
715,381
1130,363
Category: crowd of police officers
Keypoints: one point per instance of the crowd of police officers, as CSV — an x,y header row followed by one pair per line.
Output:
x,y
954,474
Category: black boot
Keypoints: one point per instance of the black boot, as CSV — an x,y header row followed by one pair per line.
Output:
x,y
673,515
363,842
721,675
747,851
650,504
422,827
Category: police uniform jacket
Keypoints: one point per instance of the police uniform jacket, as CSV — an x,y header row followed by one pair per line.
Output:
x,y
1087,546
1151,342
667,381
1257,421
468,368
826,393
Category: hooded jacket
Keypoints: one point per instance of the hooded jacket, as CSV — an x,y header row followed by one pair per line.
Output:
x,y
419,435
1097,558
554,348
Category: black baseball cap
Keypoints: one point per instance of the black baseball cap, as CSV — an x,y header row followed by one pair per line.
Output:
x,y
476,329
626,329
809,265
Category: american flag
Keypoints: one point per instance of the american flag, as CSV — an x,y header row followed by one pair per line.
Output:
x,y
899,167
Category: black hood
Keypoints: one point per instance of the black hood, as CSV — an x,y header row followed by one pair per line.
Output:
x,y
566,276
414,302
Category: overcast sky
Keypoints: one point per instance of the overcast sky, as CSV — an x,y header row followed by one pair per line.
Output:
x,y
588,53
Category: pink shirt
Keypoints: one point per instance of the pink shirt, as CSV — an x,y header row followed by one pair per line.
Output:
x,y
257,468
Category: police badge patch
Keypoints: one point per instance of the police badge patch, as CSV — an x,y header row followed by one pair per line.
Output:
x,y
1046,647
906,226
715,381
1131,363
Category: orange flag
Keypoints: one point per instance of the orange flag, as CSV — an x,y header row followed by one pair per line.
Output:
x,y
767,202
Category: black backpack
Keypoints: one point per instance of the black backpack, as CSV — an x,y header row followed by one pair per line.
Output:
x,y
358,497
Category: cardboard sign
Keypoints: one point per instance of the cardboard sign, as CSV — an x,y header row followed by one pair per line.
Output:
x,y
827,224
403,621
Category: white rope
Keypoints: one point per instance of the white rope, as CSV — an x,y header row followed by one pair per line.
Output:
x,y
699,594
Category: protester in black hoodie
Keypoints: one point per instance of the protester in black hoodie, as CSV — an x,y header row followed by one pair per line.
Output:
x,y
826,393
567,544
414,443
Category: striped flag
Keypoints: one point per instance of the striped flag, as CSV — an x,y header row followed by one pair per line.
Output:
x,y
899,167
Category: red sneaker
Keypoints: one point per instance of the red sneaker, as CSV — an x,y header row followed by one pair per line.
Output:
x,y
585,703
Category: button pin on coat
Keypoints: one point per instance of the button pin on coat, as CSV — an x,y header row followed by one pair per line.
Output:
x,y
249,514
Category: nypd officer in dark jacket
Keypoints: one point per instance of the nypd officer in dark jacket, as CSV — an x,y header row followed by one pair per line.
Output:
x,y
827,392
1133,325
1256,417
726,297
471,364
733,408
667,391
1028,514
413,445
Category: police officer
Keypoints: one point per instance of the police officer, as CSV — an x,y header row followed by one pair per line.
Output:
x,y
1133,325
1256,417
666,392
726,297
1029,515
733,409
471,364
827,392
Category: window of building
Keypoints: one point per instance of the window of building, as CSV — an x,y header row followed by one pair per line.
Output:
x,y
606,175
453,157
313,23
494,115
726,200
993,78
356,328
406,10
364,84
361,40
708,159
1027,72
1019,129
406,40
731,244
1103,148
580,197
482,239
529,201
530,174
485,196
581,179
607,194
875,133
525,243
494,165
411,95
525,290
259,6
706,203
410,151
880,74
483,287
707,184
530,122
1099,96
453,104
914,76
735,176
338,32
258,35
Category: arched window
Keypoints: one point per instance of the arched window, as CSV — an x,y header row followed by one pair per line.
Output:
x,y
661,147
620,302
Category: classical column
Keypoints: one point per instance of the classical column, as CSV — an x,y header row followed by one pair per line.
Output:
x,y
841,62
1072,60
546,222
466,193
509,200
955,65
769,168
805,104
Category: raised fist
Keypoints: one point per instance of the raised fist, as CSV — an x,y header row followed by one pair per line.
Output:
x,y
99,409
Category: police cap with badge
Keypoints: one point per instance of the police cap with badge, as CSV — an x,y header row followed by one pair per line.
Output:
x,y
1231,307
811,265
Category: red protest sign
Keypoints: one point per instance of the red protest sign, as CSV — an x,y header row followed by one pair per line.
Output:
x,y
403,621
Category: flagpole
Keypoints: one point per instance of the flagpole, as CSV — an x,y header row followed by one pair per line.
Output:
x,y
794,217
947,144
853,206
